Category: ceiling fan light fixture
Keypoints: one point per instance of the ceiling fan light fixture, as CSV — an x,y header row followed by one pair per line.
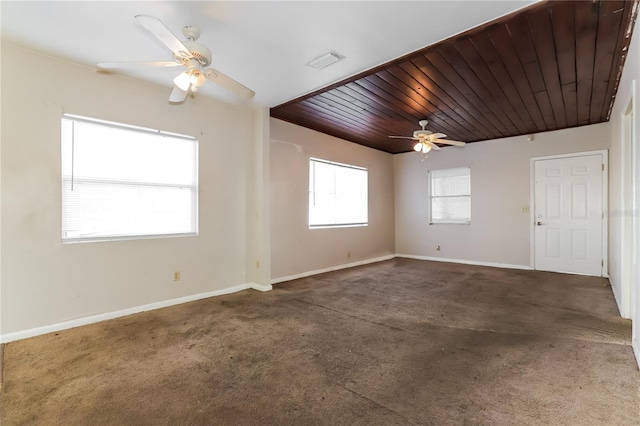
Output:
x,y
189,54
428,140
197,78
183,81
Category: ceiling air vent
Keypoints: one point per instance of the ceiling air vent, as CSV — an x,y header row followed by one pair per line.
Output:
x,y
323,61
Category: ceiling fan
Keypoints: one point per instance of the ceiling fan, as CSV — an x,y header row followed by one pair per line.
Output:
x,y
427,140
187,53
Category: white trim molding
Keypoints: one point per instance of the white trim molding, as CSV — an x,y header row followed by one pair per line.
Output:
x,y
261,287
467,262
628,203
91,319
330,269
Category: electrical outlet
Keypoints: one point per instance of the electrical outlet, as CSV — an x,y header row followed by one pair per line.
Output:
x,y
349,255
176,276
525,209
257,264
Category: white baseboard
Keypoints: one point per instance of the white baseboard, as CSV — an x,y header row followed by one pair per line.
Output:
x,y
636,350
261,287
467,262
32,332
330,269
9,337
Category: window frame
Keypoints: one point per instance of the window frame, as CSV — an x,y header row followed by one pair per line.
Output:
x,y
71,179
312,193
432,197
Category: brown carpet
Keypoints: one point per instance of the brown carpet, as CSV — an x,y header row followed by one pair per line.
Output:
x,y
393,343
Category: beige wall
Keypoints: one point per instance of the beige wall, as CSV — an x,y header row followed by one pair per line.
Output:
x,y
258,244
621,196
44,282
500,187
253,197
296,249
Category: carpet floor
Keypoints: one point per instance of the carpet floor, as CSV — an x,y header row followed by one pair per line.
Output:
x,y
393,343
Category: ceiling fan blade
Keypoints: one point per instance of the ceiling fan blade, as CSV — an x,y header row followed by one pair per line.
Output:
x,y
242,92
133,65
403,137
438,135
158,29
432,145
448,142
178,95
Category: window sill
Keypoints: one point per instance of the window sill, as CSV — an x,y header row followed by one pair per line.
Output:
x,y
125,238
349,225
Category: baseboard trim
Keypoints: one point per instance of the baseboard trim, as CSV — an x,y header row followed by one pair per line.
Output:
x,y
91,319
331,269
24,334
467,262
261,287
636,350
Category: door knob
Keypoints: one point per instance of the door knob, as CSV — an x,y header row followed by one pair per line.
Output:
x,y
539,223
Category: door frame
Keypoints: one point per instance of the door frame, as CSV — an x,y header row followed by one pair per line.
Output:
x,y
629,241
604,271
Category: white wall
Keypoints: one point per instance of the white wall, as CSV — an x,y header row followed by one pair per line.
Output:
x,y
45,282
500,187
621,196
296,249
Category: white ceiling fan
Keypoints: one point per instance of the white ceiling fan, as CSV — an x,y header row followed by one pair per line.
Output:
x,y
427,140
187,53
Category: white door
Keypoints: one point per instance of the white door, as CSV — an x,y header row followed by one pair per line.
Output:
x,y
568,214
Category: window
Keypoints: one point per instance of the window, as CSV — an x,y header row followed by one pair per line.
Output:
x,y
337,194
125,182
450,195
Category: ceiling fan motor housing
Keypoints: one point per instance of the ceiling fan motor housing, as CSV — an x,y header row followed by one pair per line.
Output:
x,y
422,133
201,53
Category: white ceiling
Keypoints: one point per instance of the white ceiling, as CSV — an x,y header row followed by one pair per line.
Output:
x,y
262,44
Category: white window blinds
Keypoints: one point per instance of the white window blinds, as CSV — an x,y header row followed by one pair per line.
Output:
x,y
123,182
450,195
338,194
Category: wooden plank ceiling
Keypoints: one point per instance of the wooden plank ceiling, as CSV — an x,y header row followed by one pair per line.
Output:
x,y
553,65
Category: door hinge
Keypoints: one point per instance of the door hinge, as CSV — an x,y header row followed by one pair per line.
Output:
x,y
603,167
602,263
